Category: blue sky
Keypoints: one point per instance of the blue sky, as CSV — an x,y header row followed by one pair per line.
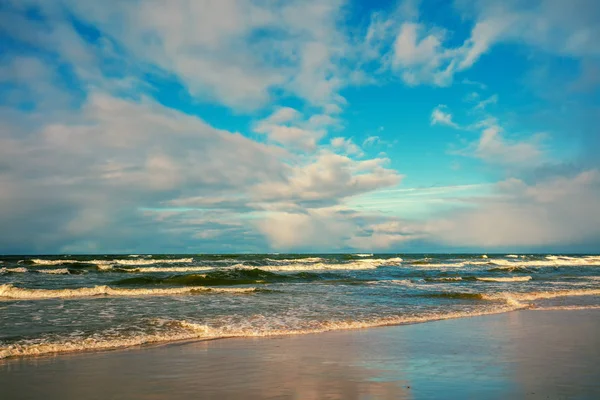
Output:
x,y
299,126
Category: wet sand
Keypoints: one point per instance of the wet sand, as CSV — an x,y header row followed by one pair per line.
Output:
x,y
526,354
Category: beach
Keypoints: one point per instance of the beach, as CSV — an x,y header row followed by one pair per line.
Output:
x,y
521,354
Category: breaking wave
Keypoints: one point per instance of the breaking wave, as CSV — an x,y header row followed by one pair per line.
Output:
x,y
133,262
59,271
532,296
18,270
186,330
9,291
505,279
361,264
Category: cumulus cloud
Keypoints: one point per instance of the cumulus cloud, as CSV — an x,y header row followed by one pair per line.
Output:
x,y
287,126
420,53
346,145
216,49
329,178
92,172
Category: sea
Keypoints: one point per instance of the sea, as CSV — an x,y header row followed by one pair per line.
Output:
x,y
58,304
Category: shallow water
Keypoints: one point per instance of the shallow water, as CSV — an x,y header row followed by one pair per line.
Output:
x,y
72,303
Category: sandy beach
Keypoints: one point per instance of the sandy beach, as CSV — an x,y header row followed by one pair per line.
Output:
x,y
525,354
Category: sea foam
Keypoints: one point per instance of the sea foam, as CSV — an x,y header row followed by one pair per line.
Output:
x,y
9,291
187,330
505,279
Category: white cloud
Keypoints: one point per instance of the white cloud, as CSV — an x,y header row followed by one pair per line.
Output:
x,y
371,141
346,145
215,49
441,117
419,52
494,148
287,126
480,85
328,177
484,103
558,212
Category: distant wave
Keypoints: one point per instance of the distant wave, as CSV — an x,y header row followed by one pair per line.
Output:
x,y
18,270
59,271
506,279
498,263
550,261
109,263
9,291
160,269
295,260
363,264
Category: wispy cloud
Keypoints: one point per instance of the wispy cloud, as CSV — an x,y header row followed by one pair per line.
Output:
x,y
439,116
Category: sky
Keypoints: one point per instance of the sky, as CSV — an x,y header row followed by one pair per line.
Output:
x,y
237,126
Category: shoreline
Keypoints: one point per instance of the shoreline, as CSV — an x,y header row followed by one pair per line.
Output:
x,y
488,356
150,342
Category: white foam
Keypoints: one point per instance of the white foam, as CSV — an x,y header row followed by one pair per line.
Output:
x,y
552,308
18,270
185,330
446,279
295,260
60,271
505,279
353,265
11,292
550,261
516,298
163,269
364,255
108,263
512,256
403,282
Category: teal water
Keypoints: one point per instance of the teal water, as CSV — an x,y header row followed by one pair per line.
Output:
x,y
73,303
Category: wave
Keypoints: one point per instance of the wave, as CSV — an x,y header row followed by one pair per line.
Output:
x,y
235,276
445,279
454,295
108,263
18,270
59,271
9,291
319,266
512,269
551,261
565,308
363,255
159,269
505,279
512,256
532,296
295,260
513,298
186,330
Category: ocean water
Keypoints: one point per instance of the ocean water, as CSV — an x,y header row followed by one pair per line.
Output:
x,y
77,303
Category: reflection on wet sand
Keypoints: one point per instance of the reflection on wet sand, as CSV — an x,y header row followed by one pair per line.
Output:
x,y
538,354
